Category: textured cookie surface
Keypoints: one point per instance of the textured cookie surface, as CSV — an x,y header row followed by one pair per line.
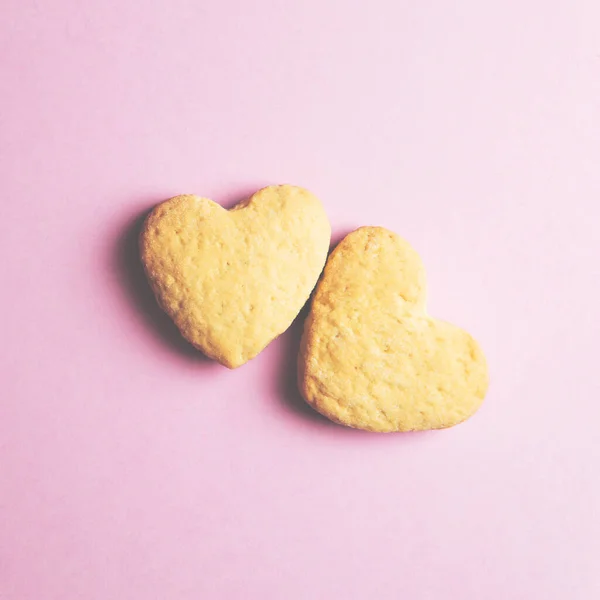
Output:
x,y
234,280
371,357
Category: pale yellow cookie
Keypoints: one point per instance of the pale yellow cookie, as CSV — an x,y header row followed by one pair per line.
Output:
x,y
233,280
371,357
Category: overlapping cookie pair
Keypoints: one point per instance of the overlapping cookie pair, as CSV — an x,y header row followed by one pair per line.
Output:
x,y
370,357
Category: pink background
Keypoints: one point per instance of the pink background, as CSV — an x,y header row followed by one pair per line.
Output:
x,y
132,468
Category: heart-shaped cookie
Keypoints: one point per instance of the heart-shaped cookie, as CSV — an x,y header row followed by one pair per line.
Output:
x,y
233,280
371,357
